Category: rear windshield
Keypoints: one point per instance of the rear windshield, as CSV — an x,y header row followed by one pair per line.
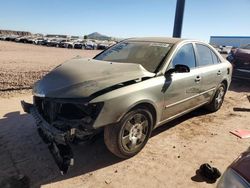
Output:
x,y
148,54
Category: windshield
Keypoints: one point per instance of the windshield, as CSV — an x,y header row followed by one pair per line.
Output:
x,y
148,54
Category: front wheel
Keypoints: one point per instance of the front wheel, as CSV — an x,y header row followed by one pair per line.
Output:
x,y
218,99
130,135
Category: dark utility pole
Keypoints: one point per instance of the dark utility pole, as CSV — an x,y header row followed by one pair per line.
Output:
x,y
180,5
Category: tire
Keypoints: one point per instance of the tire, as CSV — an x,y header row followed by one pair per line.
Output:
x,y
130,135
218,99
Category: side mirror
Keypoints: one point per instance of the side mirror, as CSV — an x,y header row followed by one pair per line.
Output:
x,y
181,68
177,69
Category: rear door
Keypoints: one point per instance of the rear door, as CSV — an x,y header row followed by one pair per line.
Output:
x,y
211,69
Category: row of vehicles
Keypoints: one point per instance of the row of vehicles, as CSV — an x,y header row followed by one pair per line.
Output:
x,y
223,49
240,59
60,42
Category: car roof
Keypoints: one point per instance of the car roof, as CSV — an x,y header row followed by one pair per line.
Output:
x,y
157,39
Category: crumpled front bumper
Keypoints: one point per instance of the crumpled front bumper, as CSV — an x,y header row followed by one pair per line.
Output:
x,y
55,138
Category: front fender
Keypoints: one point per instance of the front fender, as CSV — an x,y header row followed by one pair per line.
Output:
x,y
118,102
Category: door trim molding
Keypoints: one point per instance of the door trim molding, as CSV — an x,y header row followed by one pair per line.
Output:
x,y
189,98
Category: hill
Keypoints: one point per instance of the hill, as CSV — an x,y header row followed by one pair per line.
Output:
x,y
98,36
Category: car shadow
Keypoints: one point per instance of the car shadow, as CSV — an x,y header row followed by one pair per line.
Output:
x,y
173,123
23,151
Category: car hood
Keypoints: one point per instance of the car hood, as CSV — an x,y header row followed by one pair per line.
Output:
x,y
79,78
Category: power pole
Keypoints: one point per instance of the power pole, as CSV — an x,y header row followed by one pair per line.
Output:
x,y
179,12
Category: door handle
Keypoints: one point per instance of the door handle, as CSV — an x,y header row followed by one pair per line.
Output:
x,y
219,73
197,79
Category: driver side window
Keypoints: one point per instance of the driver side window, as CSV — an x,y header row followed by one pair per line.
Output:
x,y
185,56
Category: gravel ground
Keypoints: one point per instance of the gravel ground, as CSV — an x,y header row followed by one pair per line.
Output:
x,y
23,64
170,159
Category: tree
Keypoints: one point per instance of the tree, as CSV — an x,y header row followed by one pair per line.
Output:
x,y
85,37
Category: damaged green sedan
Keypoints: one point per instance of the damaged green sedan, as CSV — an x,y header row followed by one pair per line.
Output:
x,y
126,91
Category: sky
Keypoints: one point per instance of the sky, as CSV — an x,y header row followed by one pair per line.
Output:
x,y
127,18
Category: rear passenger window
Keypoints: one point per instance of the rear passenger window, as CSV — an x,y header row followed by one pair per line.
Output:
x,y
185,56
215,58
204,54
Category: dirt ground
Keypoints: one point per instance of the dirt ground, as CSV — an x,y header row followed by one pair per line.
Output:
x,y
170,159
22,64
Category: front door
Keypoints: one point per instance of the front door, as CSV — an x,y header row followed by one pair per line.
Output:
x,y
183,89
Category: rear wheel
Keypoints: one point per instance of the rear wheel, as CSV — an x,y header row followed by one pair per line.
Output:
x,y
128,137
218,99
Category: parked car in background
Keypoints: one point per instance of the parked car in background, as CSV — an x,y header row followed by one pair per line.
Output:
x,y
67,44
127,90
3,37
102,46
31,40
53,42
18,39
11,37
90,45
225,49
240,58
217,48
39,41
24,39
61,43
79,44
237,174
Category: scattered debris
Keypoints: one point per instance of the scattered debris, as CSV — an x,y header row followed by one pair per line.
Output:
x,y
241,109
208,172
108,181
241,133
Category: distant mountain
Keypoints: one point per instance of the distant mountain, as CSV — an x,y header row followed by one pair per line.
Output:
x,y
98,36
10,32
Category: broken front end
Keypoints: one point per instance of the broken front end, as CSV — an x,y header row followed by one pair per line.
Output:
x,y
61,122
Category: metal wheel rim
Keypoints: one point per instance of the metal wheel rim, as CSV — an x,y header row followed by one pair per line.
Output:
x,y
134,132
219,97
